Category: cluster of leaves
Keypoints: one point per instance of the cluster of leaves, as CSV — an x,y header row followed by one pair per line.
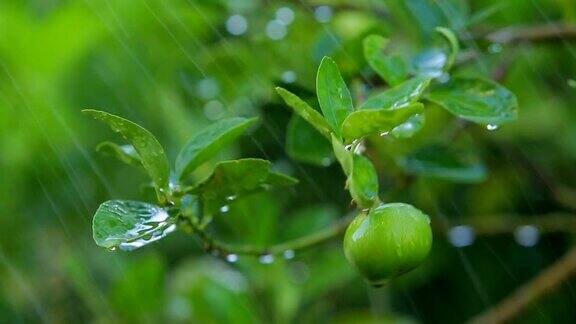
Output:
x,y
181,202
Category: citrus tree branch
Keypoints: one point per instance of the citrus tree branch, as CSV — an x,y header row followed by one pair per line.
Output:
x,y
546,282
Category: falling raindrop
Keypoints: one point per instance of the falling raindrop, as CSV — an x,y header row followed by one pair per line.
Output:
x,y
289,77
276,30
491,127
285,15
224,209
214,110
232,258
323,14
462,235
527,235
289,254
236,25
266,259
207,88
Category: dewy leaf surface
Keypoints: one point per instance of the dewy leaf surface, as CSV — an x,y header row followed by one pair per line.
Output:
x,y
333,95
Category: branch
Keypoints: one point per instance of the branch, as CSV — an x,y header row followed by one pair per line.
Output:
x,y
546,282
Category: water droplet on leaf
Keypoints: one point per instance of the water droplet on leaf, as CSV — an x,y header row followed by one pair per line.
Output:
x,y
491,127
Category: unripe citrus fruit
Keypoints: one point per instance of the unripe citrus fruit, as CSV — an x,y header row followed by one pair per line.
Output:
x,y
389,240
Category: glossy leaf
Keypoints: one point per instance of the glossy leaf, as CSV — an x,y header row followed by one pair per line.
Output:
x,y
125,153
343,155
409,127
304,143
147,146
363,182
367,122
439,162
401,95
333,95
306,112
392,68
477,100
204,145
236,177
129,225
453,42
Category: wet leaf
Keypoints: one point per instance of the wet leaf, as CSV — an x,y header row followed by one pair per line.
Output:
x,y
392,68
128,225
401,95
147,146
333,95
204,145
305,144
477,100
125,153
440,162
237,177
431,63
410,127
367,122
363,182
453,42
343,155
306,112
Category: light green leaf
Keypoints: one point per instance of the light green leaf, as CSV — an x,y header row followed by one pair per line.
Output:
x,y
204,145
367,122
410,127
333,95
401,95
304,110
237,177
439,162
392,68
129,225
363,182
125,153
304,143
147,146
477,100
454,45
343,155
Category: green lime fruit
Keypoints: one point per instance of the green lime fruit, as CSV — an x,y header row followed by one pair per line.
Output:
x,y
389,240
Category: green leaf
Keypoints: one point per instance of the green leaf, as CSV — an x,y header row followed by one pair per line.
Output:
x,y
439,162
304,143
236,177
454,45
333,95
392,68
410,127
401,95
125,153
304,110
147,146
129,225
477,100
363,123
363,182
204,145
343,155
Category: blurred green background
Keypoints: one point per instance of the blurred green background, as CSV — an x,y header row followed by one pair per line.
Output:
x,y
176,66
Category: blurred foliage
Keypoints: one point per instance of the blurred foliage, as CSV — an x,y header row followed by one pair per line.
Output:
x,y
175,67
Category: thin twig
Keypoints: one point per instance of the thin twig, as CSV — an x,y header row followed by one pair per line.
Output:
x,y
546,282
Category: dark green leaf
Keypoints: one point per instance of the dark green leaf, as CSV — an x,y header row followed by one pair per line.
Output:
x,y
392,68
130,224
304,110
147,146
477,100
367,122
439,162
363,182
333,95
125,153
401,95
204,145
233,178
304,143
343,155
